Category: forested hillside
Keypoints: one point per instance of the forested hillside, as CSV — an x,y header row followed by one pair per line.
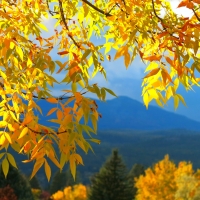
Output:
x,y
144,147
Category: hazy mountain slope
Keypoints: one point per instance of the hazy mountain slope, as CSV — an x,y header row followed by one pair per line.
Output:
x,y
126,113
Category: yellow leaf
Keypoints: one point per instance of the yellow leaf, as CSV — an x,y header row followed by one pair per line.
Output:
x,y
11,160
78,158
2,139
8,137
42,26
19,52
120,52
146,99
23,133
151,66
51,111
5,167
13,115
11,128
53,159
176,101
72,165
52,100
59,114
12,45
152,73
127,59
182,99
37,166
27,120
3,124
47,170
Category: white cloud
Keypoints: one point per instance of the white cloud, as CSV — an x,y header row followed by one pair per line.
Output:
x,y
120,79
183,11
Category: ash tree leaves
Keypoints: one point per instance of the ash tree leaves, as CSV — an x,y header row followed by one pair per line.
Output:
x,y
166,44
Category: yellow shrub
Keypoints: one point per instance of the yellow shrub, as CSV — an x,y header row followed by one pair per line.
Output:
x,y
77,192
165,181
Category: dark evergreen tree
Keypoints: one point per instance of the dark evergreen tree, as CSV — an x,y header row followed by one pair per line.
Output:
x,y
58,182
135,172
34,183
17,182
62,180
70,179
112,182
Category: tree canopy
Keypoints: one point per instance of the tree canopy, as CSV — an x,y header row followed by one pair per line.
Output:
x,y
166,42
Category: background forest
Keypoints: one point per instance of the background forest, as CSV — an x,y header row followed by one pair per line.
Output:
x,y
139,149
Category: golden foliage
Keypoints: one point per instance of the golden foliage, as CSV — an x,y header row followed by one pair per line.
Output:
x,y
130,27
166,181
77,192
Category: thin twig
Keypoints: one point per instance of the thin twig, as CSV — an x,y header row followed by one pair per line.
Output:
x,y
50,11
65,23
97,9
196,15
155,11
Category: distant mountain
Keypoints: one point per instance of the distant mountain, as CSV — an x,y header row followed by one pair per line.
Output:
x,y
124,113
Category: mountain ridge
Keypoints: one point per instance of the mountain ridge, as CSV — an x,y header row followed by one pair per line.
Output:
x,y
124,113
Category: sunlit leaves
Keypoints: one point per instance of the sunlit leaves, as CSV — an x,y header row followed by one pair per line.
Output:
x,y
175,182
78,192
167,44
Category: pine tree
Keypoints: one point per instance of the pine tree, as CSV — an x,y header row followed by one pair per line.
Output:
x,y
135,172
35,184
70,179
62,180
58,182
17,182
112,182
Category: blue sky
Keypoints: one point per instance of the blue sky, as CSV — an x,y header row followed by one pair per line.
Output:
x,y
127,82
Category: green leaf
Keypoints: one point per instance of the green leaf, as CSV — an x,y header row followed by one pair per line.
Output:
x,y
110,91
63,158
74,87
47,170
11,160
103,94
5,167
87,52
94,122
1,155
72,165
95,140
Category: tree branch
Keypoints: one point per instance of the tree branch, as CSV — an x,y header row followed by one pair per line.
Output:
x,y
64,21
50,11
155,11
97,9
196,15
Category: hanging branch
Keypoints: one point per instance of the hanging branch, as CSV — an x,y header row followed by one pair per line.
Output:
x,y
65,23
97,9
